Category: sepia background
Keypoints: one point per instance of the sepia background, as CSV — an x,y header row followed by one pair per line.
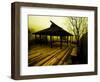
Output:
x,y
73,45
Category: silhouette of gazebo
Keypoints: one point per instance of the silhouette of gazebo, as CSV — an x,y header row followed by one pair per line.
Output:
x,y
54,30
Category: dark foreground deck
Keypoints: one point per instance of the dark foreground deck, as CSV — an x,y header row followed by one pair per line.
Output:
x,y
46,56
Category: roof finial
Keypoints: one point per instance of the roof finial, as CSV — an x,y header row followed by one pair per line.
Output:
x,y
51,21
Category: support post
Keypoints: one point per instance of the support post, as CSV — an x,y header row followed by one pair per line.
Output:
x,y
67,40
35,38
57,38
46,39
51,41
61,42
72,39
40,40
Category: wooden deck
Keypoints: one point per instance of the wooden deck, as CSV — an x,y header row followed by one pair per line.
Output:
x,y
46,56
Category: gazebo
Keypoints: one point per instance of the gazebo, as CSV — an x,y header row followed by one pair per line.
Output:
x,y
54,30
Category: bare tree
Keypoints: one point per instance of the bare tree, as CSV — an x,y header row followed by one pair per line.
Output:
x,y
78,25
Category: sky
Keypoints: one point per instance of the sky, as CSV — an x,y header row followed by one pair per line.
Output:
x,y
37,23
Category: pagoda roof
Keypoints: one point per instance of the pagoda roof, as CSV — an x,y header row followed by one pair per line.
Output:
x,y
54,30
